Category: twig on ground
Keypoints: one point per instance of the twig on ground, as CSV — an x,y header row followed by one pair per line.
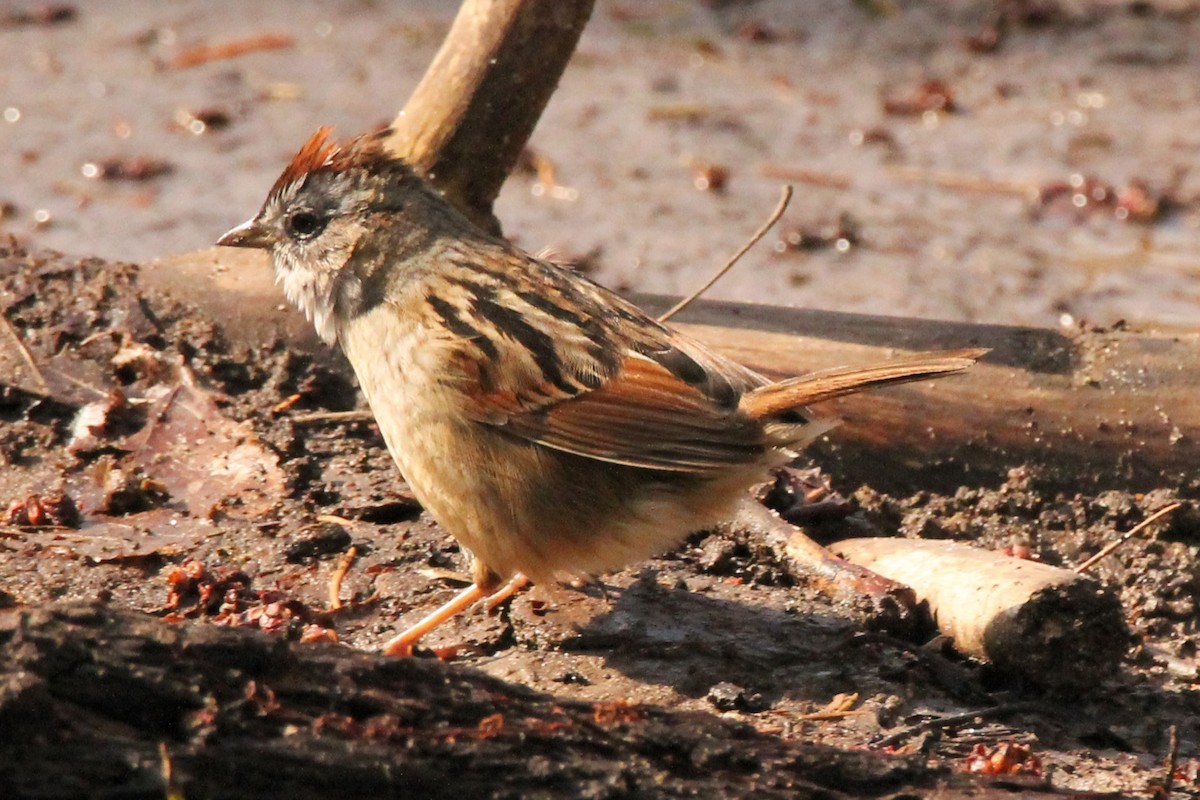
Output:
x,y
286,403
841,706
202,54
965,183
810,177
171,790
1125,537
332,416
1172,762
885,603
954,719
39,381
339,574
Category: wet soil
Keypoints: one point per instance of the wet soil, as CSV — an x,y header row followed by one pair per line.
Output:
x,y
720,625
956,214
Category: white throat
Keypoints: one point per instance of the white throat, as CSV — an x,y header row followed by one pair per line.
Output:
x,y
311,292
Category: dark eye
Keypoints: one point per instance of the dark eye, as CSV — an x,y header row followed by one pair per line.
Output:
x,y
305,224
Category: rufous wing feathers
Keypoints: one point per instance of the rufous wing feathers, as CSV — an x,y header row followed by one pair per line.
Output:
x,y
807,390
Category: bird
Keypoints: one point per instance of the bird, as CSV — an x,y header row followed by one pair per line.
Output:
x,y
552,427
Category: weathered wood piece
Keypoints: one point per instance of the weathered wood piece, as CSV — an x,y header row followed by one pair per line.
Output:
x,y
1093,409
239,713
1050,625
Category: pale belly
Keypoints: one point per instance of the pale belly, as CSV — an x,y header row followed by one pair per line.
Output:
x,y
515,505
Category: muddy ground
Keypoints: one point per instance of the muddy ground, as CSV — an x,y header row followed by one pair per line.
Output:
x,y
718,626
203,482
950,200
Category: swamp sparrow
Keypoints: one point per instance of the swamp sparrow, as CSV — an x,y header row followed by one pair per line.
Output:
x,y
552,427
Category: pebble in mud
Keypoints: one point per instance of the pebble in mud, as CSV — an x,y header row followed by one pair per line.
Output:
x,y
726,696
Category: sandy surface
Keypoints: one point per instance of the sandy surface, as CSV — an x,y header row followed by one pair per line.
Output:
x,y
940,203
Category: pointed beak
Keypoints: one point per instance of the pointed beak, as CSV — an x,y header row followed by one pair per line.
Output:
x,y
248,234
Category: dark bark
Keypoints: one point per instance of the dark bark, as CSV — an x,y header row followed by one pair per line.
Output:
x,y
88,695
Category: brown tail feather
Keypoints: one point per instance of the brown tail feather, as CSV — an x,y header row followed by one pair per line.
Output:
x,y
818,387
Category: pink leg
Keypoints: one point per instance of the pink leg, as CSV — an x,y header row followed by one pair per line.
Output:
x,y
402,643
515,584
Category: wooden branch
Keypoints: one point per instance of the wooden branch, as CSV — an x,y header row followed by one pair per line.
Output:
x,y
472,113
876,601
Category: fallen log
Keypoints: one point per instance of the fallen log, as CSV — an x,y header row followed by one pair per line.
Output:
x,y
1089,410
231,712
1050,625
